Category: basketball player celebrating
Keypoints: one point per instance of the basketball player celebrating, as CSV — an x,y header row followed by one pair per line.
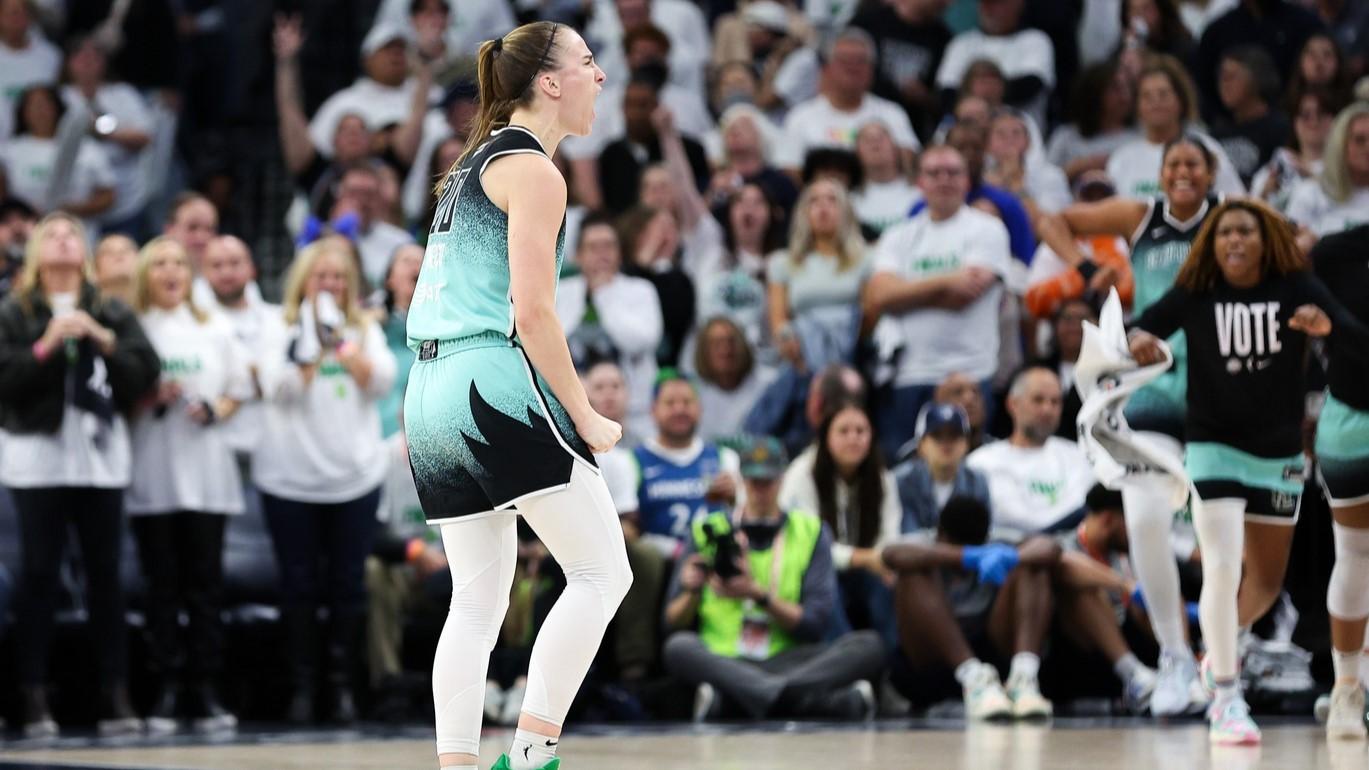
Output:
x,y
1343,460
1160,231
1247,304
497,419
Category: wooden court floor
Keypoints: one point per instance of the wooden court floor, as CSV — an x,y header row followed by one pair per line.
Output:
x,y
907,746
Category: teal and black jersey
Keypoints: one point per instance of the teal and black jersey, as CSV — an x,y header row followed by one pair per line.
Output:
x,y
484,429
463,287
1158,249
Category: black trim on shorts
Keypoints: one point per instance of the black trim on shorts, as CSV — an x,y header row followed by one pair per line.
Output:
x,y
1259,502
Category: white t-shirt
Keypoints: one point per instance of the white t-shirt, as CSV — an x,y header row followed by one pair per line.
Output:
x,y
252,326
619,470
377,104
1024,53
130,175
1135,168
469,24
1033,489
178,464
38,62
881,204
722,412
71,457
937,341
377,245
321,442
29,166
1311,206
816,123
400,509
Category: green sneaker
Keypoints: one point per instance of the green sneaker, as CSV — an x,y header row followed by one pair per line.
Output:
x,y
503,763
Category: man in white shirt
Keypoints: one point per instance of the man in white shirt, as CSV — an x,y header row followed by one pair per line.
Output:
x,y
26,59
690,40
608,315
383,96
1037,481
359,193
228,272
1026,57
936,289
835,116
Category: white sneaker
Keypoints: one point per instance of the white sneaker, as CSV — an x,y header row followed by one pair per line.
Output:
x,y
513,705
1027,701
1176,685
494,701
1137,693
1346,716
704,698
984,696
1322,708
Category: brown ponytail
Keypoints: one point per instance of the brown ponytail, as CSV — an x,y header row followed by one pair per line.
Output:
x,y
505,70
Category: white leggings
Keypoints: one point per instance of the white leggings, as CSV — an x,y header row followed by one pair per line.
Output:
x,y
1221,538
579,526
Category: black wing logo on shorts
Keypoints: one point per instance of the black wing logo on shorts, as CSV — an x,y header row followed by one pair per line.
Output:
x,y
516,457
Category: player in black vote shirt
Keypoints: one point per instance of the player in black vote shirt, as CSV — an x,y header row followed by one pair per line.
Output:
x,y
1247,303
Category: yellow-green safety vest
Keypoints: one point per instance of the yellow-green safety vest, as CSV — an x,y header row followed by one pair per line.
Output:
x,y
720,618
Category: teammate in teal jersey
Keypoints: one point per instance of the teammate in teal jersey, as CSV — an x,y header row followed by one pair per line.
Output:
x,y
497,420
1160,231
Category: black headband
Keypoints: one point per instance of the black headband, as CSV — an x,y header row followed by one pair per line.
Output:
x,y
542,60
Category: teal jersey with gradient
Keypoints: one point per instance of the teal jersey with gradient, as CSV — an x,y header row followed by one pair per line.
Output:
x,y
463,287
1159,248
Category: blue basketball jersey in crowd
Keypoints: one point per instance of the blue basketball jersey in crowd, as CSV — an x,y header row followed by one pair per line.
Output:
x,y
671,496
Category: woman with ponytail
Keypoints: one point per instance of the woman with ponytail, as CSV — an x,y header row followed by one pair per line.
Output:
x,y
496,418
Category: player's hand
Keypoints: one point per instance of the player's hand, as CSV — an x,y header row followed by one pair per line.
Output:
x,y
1310,320
599,432
1145,348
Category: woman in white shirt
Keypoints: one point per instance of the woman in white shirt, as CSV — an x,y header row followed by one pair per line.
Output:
x,y
30,161
185,483
321,462
842,478
1302,159
1338,198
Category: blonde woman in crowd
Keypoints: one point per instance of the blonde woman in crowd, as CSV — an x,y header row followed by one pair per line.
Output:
x,y
321,461
185,482
72,365
813,288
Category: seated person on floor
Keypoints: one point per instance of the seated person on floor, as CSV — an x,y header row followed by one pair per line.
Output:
x,y
960,596
750,603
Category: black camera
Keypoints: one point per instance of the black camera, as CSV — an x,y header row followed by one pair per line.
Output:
x,y
725,550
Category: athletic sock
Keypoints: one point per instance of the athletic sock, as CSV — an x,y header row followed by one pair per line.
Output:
x,y
1024,665
531,751
965,670
1225,691
1126,667
462,767
1346,665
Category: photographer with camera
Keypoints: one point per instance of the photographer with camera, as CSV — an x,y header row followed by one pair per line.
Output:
x,y
757,597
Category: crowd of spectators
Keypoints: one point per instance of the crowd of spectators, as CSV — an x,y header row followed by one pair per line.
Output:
x,y
797,230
